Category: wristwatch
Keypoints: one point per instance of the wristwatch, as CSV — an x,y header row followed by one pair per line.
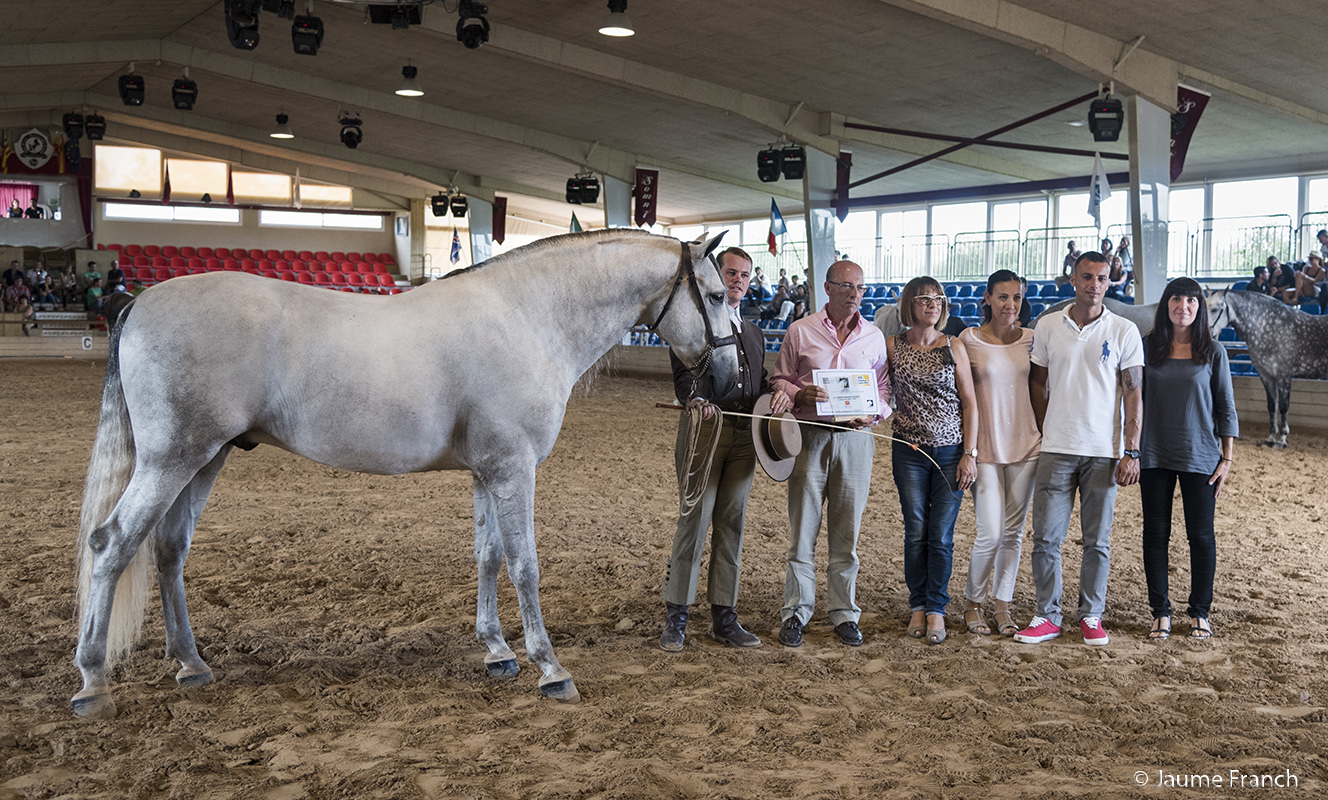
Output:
x,y
1133,454
973,453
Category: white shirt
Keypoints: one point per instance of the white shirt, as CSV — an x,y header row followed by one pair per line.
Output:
x,y
1084,412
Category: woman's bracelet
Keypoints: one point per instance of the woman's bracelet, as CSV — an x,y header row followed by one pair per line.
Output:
x,y
1221,459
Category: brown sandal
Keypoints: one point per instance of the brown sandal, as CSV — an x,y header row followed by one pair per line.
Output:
x,y
1005,624
973,620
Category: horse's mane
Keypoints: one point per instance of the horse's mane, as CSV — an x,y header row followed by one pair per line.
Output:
x,y
540,245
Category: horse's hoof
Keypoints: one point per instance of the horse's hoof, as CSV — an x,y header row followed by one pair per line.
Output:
x,y
191,680
1279,445
507,668
93,706
563,691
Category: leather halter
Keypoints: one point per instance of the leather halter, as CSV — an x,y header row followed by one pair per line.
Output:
x,y
686,269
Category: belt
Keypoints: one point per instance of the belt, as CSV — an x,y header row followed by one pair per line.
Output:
x,y
739,423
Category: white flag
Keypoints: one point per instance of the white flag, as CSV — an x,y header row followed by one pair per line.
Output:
x,y
1098,190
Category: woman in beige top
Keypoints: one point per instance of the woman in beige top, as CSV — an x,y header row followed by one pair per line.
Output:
x,y
1008,445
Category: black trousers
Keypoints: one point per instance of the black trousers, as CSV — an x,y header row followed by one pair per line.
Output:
x,y
1157,489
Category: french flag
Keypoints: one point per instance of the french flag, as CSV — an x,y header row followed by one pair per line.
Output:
x,y
777,228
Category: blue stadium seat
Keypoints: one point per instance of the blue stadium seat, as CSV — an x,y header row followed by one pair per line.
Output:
x,y
1238,285
955,308
965,291
1310,308
1227,334
1066,291
951,290
969,309
1037,308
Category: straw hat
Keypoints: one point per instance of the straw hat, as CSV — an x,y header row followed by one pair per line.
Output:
x,y
777,441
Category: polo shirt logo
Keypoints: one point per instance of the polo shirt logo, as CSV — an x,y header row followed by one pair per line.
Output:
x,y
1106,351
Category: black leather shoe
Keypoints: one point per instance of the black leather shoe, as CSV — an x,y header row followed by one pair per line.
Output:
x,y
727,629
790,634
675,627
849,634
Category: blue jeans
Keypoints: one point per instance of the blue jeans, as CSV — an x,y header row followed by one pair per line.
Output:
x,y
930,505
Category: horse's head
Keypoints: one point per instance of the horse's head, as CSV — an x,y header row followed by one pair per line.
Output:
x,y
703,341
1219,312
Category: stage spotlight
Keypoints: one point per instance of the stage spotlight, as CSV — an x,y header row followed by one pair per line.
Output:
x,y
767,165
351,133
409,86
242,23
617,24
472,28
574,191
131,89
439,204
283,129
459,205
306,35
792,162
73,124
94,125
184,93
1105,119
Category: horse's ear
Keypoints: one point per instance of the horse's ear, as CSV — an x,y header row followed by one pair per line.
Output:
x,y
710,244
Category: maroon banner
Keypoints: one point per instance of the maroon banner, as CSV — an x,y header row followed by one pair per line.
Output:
x,y
646,194
499,219
842,167
1190,104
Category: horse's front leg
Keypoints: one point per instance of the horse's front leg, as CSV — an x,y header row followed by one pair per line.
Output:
x,y
1284,406
1270,389
513,497
500,660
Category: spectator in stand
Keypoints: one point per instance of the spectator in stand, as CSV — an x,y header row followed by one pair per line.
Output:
x,y
15,210
783,280
1067,268
137,288
798,294
115,278
41,286
93,301
68,285
1025,309
1261,282
1188,429
1311,278
1282,278
34,211
1108,247
1119,278
776,309
17,295
756,292
1008,444
14,274
1322,236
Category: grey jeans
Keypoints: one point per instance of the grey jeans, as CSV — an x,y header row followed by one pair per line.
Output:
x,y
1058,476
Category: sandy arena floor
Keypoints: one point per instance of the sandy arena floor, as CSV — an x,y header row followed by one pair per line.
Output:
x,y
337,611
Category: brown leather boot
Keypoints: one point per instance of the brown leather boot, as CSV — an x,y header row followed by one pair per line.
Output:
x,y
727,629
675,627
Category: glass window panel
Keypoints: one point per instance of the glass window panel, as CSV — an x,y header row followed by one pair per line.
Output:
x,y
364,222
205,214
192,179
1187,205
1318,199
137,211
687,233
1258,198
318,195
122,169
261,187
950,219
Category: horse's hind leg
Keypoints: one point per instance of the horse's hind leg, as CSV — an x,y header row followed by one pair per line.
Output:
x,y
1270,389
500,660
513,497
174,534
1284,405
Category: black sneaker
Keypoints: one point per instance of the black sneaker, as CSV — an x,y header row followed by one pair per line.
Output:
x,y
849,634
790,634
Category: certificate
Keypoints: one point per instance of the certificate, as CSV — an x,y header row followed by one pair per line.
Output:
x,y
852,393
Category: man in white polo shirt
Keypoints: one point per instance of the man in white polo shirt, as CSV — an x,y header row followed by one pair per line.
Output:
x,y
1087,374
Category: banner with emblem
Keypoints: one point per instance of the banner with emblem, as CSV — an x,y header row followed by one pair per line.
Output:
x,y
1190,105
34,149
647,196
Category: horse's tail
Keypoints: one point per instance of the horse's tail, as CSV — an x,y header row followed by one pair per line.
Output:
x,y
109,472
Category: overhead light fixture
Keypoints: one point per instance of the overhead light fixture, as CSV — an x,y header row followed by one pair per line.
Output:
x,y
184,93
242,23
409,86
398,15
283,129
782,157
459,205
132,89
472,28
439,204
792,162
351,133
583,189
616,23
73,125
306,35
767,165
94,125
1106,117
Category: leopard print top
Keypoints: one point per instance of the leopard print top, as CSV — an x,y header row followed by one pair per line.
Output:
x,y
926,401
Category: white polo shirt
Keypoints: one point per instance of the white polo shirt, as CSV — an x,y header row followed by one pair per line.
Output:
x,y
1084,412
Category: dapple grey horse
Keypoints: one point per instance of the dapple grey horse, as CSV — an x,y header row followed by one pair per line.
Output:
x,y
472,372
1283,343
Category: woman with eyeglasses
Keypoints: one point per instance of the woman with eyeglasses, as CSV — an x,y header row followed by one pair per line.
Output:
x,y
936,416
1008,446
1189,427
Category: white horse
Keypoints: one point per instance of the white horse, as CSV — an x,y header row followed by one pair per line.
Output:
x,y
472,372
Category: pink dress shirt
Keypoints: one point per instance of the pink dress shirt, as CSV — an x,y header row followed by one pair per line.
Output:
x,y
812,343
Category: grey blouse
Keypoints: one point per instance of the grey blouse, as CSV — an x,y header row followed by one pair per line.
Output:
x,y
1187,407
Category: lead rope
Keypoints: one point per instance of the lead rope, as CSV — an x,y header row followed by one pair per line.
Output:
x,y
691,490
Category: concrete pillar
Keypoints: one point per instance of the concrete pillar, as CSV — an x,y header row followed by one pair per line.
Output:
x,y
481,230
818,194
415,265
1150,187
617,202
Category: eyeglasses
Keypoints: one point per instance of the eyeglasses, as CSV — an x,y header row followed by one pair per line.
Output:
x,y
850,287
930,300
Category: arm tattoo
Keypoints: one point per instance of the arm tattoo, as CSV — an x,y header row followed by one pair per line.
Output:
x,y
1132,378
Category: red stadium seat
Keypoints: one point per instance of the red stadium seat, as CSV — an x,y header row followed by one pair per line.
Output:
x,y
161,274
272,255
151,250
179,261
268,273
370,257
305,277
179,272
355,279
116,247
347,289
132,250
249,265
206,252
188,252
213,264
346,266
196,264
305,255
265,264
364,267
322,256
281,265
385,280
328,266
140,261
141,273
394,291
286,275
354,257
160,261
386,258
338,256
230,265
338,278
223,252
289,255
170,250
381,269
254,254
322,278
299,266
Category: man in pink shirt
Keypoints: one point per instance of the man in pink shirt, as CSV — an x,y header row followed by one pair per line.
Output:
x,y
834,467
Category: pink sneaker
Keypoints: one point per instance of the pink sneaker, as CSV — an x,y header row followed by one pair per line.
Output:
x,y
1093,632
1039,630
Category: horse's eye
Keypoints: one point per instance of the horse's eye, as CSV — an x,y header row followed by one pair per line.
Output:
x,y
717,298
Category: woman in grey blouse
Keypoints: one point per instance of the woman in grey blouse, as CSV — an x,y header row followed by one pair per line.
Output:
x,y
1188,428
